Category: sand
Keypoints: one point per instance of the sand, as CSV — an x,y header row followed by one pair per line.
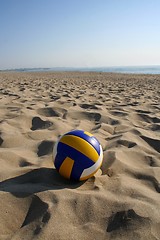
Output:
x,y
122,200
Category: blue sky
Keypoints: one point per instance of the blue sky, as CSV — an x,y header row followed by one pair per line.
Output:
x,y
79,33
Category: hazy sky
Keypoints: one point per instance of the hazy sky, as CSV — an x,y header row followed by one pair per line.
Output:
x,y
79,33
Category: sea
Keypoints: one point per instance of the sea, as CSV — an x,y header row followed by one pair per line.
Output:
x,y
127,69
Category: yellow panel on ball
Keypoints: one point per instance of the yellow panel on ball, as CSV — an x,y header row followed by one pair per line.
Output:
x,y
80,145
66,167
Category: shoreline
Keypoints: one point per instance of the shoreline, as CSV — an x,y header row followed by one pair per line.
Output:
x,y
148,69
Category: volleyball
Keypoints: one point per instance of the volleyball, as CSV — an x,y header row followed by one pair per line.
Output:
x,y
77,155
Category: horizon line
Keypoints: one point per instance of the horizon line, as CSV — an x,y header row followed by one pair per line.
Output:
x,y
83,67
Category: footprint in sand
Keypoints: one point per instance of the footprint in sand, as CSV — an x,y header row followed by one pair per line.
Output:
x,y
126,143
151,161
38,213
88,106
155,127
38,123
149,179
45,148
154,143
148,119
126,221
118,113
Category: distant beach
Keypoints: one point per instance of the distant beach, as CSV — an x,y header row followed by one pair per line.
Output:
x,y
127,69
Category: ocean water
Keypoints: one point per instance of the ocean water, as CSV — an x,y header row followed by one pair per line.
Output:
x,y
131,69
136,70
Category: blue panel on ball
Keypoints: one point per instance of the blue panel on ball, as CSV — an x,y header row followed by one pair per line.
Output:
x,y
92,140
77,170
81,162
74,154
60,157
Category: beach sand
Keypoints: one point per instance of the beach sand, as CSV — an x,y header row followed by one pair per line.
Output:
x,y
122,200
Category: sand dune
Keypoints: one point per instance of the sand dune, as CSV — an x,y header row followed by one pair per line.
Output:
x,y
122,201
